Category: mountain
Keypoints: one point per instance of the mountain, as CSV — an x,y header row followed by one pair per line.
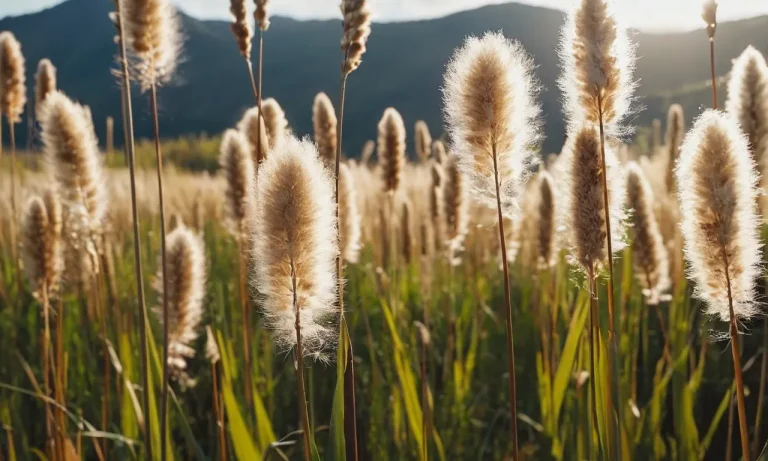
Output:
x,y
403,67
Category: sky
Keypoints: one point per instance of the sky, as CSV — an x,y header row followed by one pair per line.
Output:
x,y
648,15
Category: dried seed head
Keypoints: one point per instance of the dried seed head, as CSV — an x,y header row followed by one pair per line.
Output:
x,y
437,215
294,245
356,24
349,218
53,208
211,347
45,82
423,140
406,231
237,165
391,148
153,35
274,121
709,15
240,27
597,61
41,249
489,94
649,255
674,138
455,197
324,123
13,93
257,136
262,21
717,199
438,151
546,221
748,101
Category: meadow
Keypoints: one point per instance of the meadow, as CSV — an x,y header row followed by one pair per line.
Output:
x,y
448,293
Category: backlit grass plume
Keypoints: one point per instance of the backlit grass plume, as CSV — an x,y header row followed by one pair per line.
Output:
x,y
492,117
45,82
53,208
324,123
356,24
186,269
597,61
13,92
293,247
260,14
673,139
240,27
649,254
237,166
391,149
454,195
423,140
274,121
349,218
41,248
256,135
546,220
153,35
748,100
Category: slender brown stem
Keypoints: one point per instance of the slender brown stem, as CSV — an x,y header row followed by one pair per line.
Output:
x,y
130,149
14,213
166,316
253,81
425,430
60,390
761,392
259,153
712,71
246,324
50,444
217,411
303,412
508,313
737,371
593,328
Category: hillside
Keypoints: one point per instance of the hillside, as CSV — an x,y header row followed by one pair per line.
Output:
x,y
403,67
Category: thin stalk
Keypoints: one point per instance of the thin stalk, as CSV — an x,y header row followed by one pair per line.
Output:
x,y
712,71
425,430
130,149
250,76
761,391
259,153
246,323
166,316
737,371
593,328
14,217
60,391
49,433
303,412
614,423
217,410
508,312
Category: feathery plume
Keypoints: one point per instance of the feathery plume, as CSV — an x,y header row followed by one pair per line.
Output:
x,y
152,33
257,136
649,255
45,82
546,221
274,121
349,219
262,21
365,155
492,117
748,101
41,249
53,209
240,27
294,246
406,231
423,140
391,148
673,140
186,267
438,151
236,163
356,24
709,15
717,195
324,123
13,92
597,60
583,214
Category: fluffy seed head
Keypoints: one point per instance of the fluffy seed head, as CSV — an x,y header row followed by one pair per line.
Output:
x,y
717,199
186,268
45,82
583,210
709,15
649,255
365,155
240,27
437,215
153,35
257,136
546,221
349,218
356,24
274,121
53,208
13,93
597,61
748,100
406,231
324,123
489,94
237,165
391,148
211,347
262,21
673,140
423,140
294,243
41,248
455,199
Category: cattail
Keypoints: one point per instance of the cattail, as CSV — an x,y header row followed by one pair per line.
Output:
x,y
583,211
492,117
455,203
356,22
649,255
709,15
423,140
186,268
262,21
406,231
240,27
367,152
748,100
391,148
257,136
212,352
45,83
42,257
235,161
152,33
438,151
13,93
349,219
324,123
274,121
717,195
673,140
546,220
597,60
294,246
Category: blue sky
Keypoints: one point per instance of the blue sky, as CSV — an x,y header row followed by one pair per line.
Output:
x,y
656,15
